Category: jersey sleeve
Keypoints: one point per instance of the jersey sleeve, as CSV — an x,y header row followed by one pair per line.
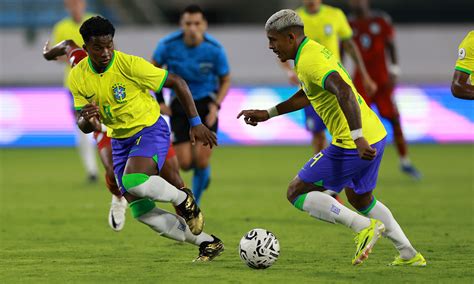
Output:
x,y
159,56
344,30
465,62
317,73
148,75
222,63
79,100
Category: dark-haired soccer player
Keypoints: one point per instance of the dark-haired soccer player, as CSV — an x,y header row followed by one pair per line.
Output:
x,y
352,160
113,86
170,171
460,86
374,34
200,60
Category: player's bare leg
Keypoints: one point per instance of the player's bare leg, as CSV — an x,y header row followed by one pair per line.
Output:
x,y
184,152
309,198
170,172
369,206
143,183
195,157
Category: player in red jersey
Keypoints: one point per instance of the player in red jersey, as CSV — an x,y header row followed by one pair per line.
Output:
x,y
170,170
374,35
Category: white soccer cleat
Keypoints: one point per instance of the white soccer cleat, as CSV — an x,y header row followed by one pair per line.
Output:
x,y
117,213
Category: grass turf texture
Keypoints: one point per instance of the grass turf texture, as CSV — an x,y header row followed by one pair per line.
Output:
x,y
54,227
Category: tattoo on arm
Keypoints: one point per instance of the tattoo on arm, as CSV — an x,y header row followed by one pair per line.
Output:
x,y
346,99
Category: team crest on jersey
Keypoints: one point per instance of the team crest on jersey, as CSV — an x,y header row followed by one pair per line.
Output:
x,y
462,53
328,29
119,93
374,28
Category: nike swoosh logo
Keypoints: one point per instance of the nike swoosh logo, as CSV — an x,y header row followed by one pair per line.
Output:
x,y
114,224
89,97
362,245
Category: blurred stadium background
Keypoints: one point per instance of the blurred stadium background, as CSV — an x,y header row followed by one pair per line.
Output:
x,y
427,38
50,230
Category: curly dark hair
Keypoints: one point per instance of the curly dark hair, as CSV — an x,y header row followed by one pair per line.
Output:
x,y
96,26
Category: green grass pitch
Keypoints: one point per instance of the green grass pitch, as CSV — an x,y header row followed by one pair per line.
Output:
x,y
53,226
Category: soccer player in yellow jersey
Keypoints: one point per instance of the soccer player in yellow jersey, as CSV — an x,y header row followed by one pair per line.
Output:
x,y
328,26
68,28
114,88
460,87
352,160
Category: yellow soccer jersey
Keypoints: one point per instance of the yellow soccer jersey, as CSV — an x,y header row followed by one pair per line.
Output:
x,y
68,29
313,64
121,92
465,62
327,27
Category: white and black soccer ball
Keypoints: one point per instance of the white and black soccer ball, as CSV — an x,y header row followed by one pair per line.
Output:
x,y
259,249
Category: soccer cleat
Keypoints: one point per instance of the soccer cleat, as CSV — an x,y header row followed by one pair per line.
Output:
x,y
411,171
417,260
209,250
191,213
366,239
117,213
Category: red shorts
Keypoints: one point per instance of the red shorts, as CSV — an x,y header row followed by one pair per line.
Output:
x,y
383,99
103,141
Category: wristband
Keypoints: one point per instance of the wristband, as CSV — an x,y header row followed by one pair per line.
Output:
x,y
103,128
356,134
272,112
195,121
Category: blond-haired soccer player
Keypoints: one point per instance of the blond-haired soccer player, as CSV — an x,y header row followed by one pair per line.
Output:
x,y
328,26
68,28
114,87
461,87
352,160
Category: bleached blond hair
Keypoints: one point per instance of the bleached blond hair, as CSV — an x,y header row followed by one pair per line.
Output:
x,y
283,19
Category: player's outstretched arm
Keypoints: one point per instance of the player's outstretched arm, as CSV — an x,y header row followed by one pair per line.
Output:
x,y
197,130
254,116
350,107
58,50
460,86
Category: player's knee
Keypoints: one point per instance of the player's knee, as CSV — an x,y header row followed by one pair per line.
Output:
x,y
293,191
134,180
202,163
140,207
185,165
360,201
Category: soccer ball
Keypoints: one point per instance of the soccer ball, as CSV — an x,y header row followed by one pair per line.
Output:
x,y
259,249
